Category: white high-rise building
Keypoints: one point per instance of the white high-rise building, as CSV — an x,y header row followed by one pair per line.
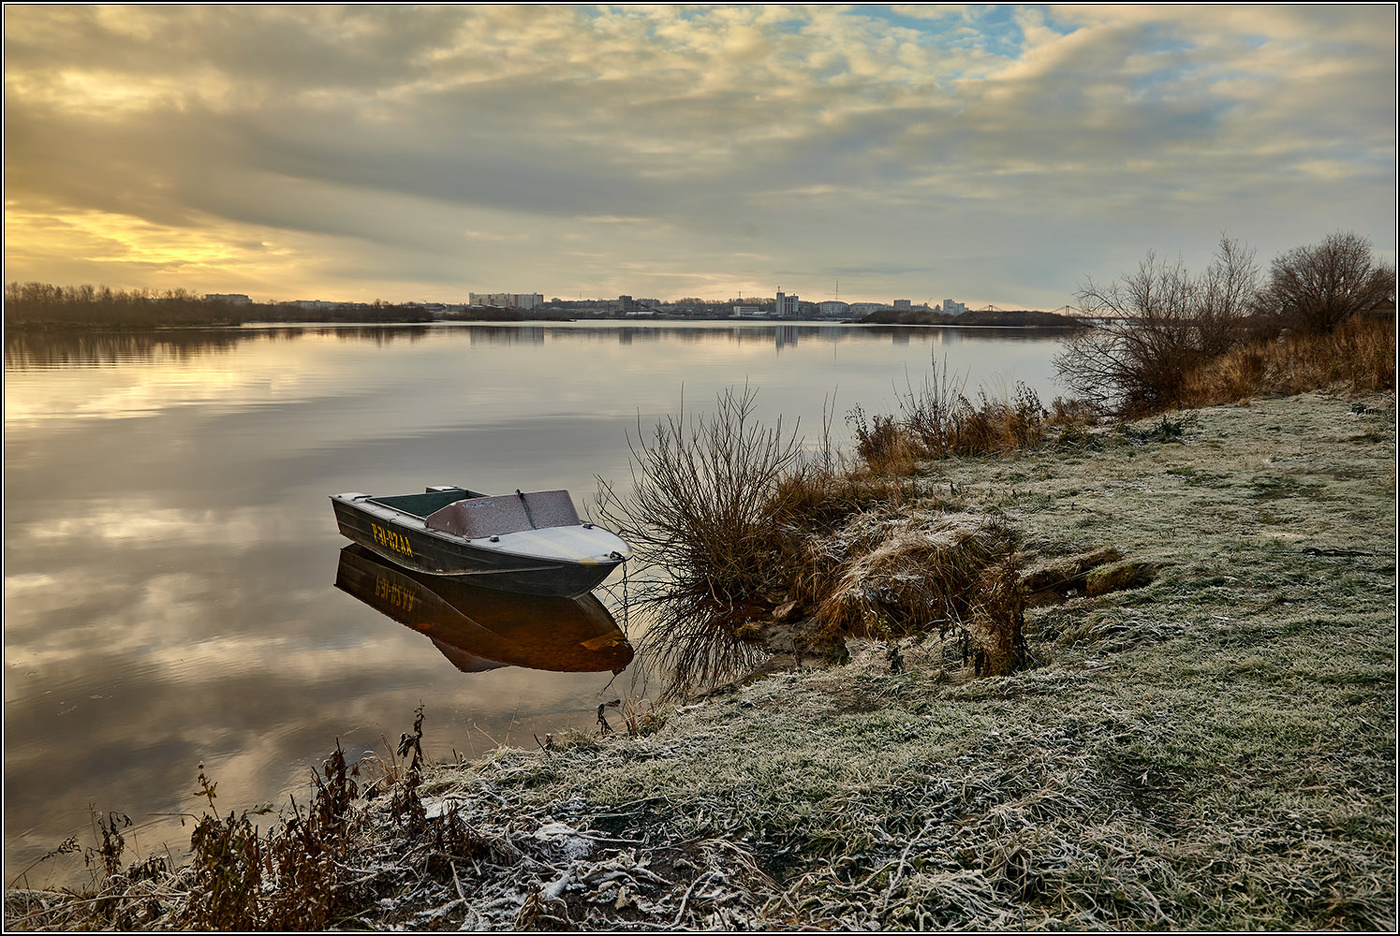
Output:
x,y
508,300
785,306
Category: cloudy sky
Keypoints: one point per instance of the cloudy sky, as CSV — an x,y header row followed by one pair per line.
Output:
x,y
990,154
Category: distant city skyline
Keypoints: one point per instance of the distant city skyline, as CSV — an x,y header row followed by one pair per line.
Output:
x,y
419,154
534,301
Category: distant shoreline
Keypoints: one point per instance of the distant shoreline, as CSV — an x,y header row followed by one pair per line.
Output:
x,y
982,320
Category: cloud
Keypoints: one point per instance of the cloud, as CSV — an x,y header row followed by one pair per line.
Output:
x,y
832,136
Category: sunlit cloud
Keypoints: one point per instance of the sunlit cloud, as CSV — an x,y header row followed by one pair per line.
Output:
x,y
428,152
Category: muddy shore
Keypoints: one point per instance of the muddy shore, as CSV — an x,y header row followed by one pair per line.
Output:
x,y
1212,750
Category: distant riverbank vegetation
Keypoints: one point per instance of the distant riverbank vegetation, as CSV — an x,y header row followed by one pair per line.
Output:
x,y
41,305
1167,337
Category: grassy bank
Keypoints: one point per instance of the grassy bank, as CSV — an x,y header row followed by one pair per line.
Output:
x,y
1212,750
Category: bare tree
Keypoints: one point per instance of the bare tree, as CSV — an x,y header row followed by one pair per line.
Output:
x,y
1156,325
1319,287
1227,295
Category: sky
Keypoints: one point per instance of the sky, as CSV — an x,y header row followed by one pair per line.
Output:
x,y
991,154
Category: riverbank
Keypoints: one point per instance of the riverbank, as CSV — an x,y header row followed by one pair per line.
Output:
x,y
1213,750
979,318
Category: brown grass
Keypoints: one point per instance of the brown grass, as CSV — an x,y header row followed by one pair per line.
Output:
x,y
1358,357
939,420
922,572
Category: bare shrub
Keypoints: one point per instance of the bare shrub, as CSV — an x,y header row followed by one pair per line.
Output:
x,y
702,518
702,496
1158,324
1317,288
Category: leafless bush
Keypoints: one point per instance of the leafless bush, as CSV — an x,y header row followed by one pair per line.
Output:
x,y
701,498
1317,288
1157,324
702,518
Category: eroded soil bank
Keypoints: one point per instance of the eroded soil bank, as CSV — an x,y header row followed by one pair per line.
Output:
x,y
1212,750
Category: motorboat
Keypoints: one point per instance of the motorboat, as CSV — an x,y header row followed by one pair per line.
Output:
x,y
531,543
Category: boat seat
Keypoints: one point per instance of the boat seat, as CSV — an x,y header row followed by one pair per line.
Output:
x,y
481,517
551,509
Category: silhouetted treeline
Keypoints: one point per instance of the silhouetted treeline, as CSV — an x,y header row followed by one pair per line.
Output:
x,y
86,306
47,306
65,347
377,312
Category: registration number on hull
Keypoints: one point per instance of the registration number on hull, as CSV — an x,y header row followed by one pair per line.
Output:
x,y
389,538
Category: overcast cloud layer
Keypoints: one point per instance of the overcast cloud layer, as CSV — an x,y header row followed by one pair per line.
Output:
x,y
993,155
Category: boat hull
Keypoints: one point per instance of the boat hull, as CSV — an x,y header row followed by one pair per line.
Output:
x,y
407,541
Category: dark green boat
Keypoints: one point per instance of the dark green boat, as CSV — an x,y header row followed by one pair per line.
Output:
x,y
530,543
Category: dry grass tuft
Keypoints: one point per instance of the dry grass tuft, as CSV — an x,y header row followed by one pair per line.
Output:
x,y
917,573
938,420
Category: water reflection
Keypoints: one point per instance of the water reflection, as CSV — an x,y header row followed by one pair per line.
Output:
x,y
26,349
479,629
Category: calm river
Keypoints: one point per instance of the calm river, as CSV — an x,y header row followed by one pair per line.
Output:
x,y
171,560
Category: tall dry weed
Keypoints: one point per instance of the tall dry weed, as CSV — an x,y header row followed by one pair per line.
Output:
x,y
937,419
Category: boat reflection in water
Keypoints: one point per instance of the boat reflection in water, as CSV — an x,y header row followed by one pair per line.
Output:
x,y
480,629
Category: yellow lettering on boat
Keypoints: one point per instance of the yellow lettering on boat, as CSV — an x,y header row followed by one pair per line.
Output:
x,y
394,541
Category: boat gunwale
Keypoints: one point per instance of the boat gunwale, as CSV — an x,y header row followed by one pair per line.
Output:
x,y
495,545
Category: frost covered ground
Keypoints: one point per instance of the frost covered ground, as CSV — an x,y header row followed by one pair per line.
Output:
x,y
1214,750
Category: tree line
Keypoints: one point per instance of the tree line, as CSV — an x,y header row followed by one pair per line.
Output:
x,y
46,305
1161,322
